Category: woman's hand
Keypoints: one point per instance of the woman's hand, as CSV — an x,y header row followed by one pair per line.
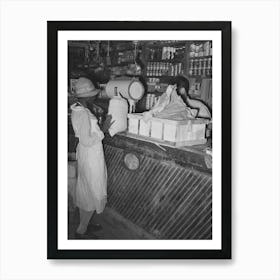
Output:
x,y
107,123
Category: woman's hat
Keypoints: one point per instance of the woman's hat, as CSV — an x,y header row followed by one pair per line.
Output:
x,y
85,88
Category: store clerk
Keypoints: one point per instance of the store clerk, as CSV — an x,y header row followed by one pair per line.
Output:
x,y
182,84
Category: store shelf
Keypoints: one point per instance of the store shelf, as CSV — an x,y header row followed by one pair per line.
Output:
x,y
201,76
163,76
199,57
160,44
166,60
122,64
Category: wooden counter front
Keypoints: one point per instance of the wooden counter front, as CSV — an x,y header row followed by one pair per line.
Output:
x,y
169,195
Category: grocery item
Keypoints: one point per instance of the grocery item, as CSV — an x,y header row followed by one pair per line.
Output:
x,y
118,109
127,88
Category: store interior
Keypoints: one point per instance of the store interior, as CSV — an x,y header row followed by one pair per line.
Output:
x,y
159,158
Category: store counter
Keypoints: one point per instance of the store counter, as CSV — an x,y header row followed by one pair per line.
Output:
x,y
193,157
166,191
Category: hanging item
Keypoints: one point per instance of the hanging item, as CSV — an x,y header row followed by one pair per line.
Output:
x,y
128,88
108,59
97,52
137,66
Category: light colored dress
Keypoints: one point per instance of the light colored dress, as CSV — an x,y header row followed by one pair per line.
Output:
x,y
91,188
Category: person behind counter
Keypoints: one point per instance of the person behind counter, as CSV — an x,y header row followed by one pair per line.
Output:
x,y
91,188
182,84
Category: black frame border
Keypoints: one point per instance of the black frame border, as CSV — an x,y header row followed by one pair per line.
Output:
x,y
52,146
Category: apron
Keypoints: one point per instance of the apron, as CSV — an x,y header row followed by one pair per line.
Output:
x,y
91,188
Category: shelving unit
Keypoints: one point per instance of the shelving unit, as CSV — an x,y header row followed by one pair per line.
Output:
x,y
164,61
199,70
199,57
165,58
161,62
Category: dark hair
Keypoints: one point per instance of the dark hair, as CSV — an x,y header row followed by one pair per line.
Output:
x,y
181,81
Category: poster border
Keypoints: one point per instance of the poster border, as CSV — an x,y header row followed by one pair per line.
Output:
x,y
52,137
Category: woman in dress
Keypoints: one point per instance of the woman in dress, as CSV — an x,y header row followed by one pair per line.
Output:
x,y
91,188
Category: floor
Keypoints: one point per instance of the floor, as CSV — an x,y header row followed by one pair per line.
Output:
x,y
114,226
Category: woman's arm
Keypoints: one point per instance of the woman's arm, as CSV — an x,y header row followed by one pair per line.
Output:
x,y
203,111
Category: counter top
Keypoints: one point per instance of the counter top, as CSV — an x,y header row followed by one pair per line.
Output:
x,y
194,157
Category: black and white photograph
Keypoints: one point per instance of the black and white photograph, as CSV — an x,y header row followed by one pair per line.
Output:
x,y
140,151
139,140
140,123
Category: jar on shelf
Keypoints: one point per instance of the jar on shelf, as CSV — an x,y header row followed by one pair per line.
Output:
x,y
206,48
191,67
204,66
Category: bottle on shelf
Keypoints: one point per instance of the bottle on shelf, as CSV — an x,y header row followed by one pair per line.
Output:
x,y
210,68
206,48
180,68
191,67
199,67
204,66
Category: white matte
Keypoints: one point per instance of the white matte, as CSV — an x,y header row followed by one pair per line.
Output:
x,y
255,153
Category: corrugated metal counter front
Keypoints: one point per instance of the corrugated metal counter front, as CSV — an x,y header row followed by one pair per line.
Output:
x,y
169,195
